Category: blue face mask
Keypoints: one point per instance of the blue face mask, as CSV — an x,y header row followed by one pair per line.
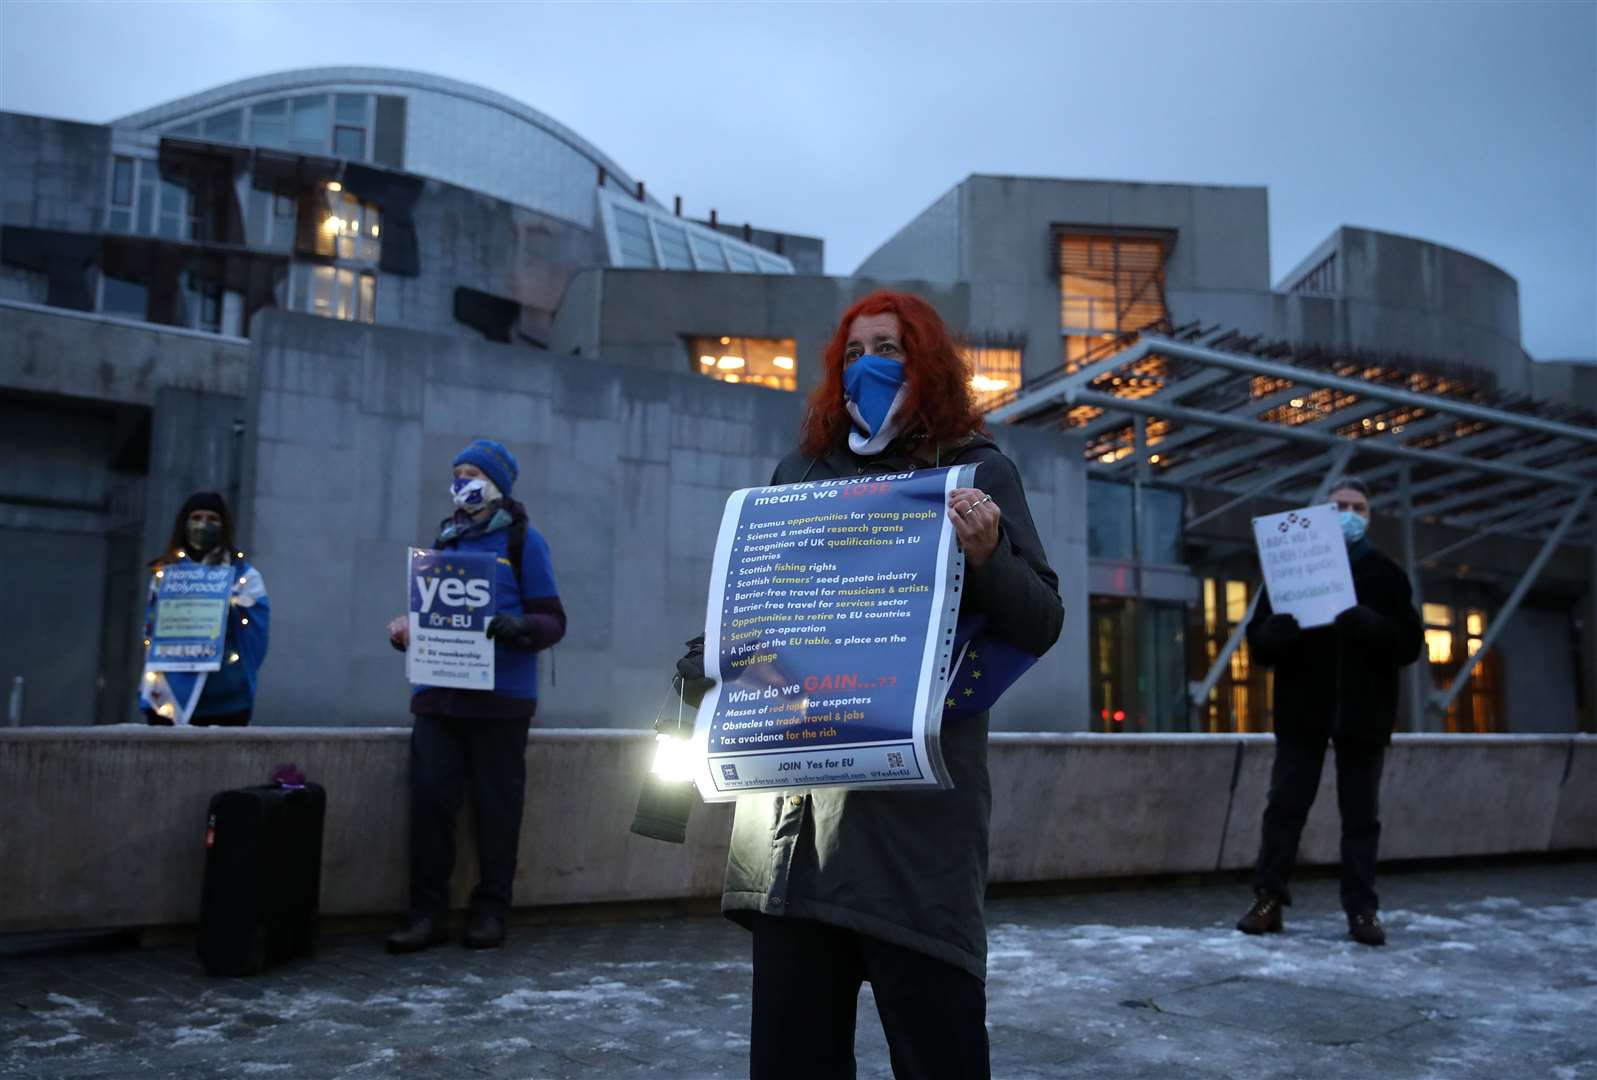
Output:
x,y
870,387
1353,525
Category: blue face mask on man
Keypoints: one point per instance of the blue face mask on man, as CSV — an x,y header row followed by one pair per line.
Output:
x,y
873,388
1353,526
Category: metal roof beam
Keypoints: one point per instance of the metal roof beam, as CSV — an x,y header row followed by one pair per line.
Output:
x,y
1224,421
1364,388
1058,393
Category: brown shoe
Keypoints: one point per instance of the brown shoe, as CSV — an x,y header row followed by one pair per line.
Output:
x,y
1366,929
1264,917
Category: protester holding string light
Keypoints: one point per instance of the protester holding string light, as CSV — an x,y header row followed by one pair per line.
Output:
x,y
202,533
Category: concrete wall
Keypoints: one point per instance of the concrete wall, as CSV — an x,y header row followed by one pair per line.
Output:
x,y
104,358
643,317
115,832
465,238
625,470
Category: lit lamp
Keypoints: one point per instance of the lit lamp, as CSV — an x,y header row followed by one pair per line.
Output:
x,y
666,801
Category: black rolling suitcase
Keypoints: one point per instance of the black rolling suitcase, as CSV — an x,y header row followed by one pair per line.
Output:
x,y
263,876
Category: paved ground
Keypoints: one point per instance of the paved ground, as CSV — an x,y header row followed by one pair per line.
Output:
x,y
1491,973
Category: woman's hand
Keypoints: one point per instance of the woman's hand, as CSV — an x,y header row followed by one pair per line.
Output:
x,y
399,632
975,517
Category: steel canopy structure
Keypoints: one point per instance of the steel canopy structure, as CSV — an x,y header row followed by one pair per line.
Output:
x,y
1251,419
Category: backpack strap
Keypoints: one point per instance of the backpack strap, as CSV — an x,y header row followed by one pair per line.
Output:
x,y
515,544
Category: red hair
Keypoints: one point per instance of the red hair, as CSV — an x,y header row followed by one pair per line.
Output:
x,y
937,379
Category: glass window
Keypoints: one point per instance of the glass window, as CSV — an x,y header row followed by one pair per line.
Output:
x,y
308,131
673,246
186,131
741,259
349,143
707,253
225,126
148,179
1108,286
761,361
1162,527
269,123
368,298
122,181
120,221
632,234
995,374
1109,524
350,109
127,298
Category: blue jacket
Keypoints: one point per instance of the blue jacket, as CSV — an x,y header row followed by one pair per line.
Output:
x,y
232,689
515,691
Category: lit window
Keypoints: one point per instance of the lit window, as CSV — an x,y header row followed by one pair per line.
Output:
x,y
994,374
1439,645
1236,601
765,362
335,292
351,230
1109,286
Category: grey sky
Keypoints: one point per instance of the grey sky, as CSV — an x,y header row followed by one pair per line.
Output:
x,y
1474,125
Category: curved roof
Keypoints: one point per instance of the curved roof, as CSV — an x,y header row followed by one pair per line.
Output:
x,y
307,78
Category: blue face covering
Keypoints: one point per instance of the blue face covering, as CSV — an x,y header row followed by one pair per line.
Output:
x,y
871,388
1353,525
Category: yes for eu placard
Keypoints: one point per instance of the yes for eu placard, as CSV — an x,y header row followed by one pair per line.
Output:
x,y
191,605
1305,564
830,634
451,601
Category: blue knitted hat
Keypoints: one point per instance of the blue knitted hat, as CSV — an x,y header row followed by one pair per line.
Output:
x,y
497,463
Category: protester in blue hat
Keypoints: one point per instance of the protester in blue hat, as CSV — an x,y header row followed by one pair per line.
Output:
x,y
479,737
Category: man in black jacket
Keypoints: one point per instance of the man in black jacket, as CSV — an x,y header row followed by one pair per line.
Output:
x,y
1337,683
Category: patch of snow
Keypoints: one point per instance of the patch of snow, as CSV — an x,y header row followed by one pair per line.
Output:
x,y
26,1043
72,1007
195,1036
502,1046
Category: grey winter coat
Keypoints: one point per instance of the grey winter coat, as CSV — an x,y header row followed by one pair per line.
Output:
x,y
904,867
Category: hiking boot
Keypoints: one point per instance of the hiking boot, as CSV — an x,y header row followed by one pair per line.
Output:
x,y
1365,928
484,931
1264,917
418,932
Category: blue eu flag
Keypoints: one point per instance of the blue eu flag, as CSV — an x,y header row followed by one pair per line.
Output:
x,y
987,667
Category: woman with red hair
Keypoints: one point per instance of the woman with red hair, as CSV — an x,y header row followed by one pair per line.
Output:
x,y
842,887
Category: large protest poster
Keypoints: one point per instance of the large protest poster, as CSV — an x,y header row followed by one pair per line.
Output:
x,y
451,601
1305,564
190,623
830,634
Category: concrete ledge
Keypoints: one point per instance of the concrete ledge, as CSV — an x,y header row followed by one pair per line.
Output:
x,y
114,831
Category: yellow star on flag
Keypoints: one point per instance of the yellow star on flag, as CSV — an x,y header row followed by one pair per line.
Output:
x,y
950,704
969,692
975,674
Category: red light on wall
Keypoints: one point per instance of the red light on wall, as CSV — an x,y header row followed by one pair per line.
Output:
x,y
1106,714
1120,716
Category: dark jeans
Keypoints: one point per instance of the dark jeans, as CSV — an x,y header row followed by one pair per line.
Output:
x,y
807,978
1294,781
446,753
231,719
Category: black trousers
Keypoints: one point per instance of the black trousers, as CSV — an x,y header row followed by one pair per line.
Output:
x,y
446,754
807,978
1294,781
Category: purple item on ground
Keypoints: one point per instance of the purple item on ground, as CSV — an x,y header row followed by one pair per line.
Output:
x,y
288,776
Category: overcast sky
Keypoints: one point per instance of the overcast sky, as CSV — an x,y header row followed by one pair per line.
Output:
x,y
1474,125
